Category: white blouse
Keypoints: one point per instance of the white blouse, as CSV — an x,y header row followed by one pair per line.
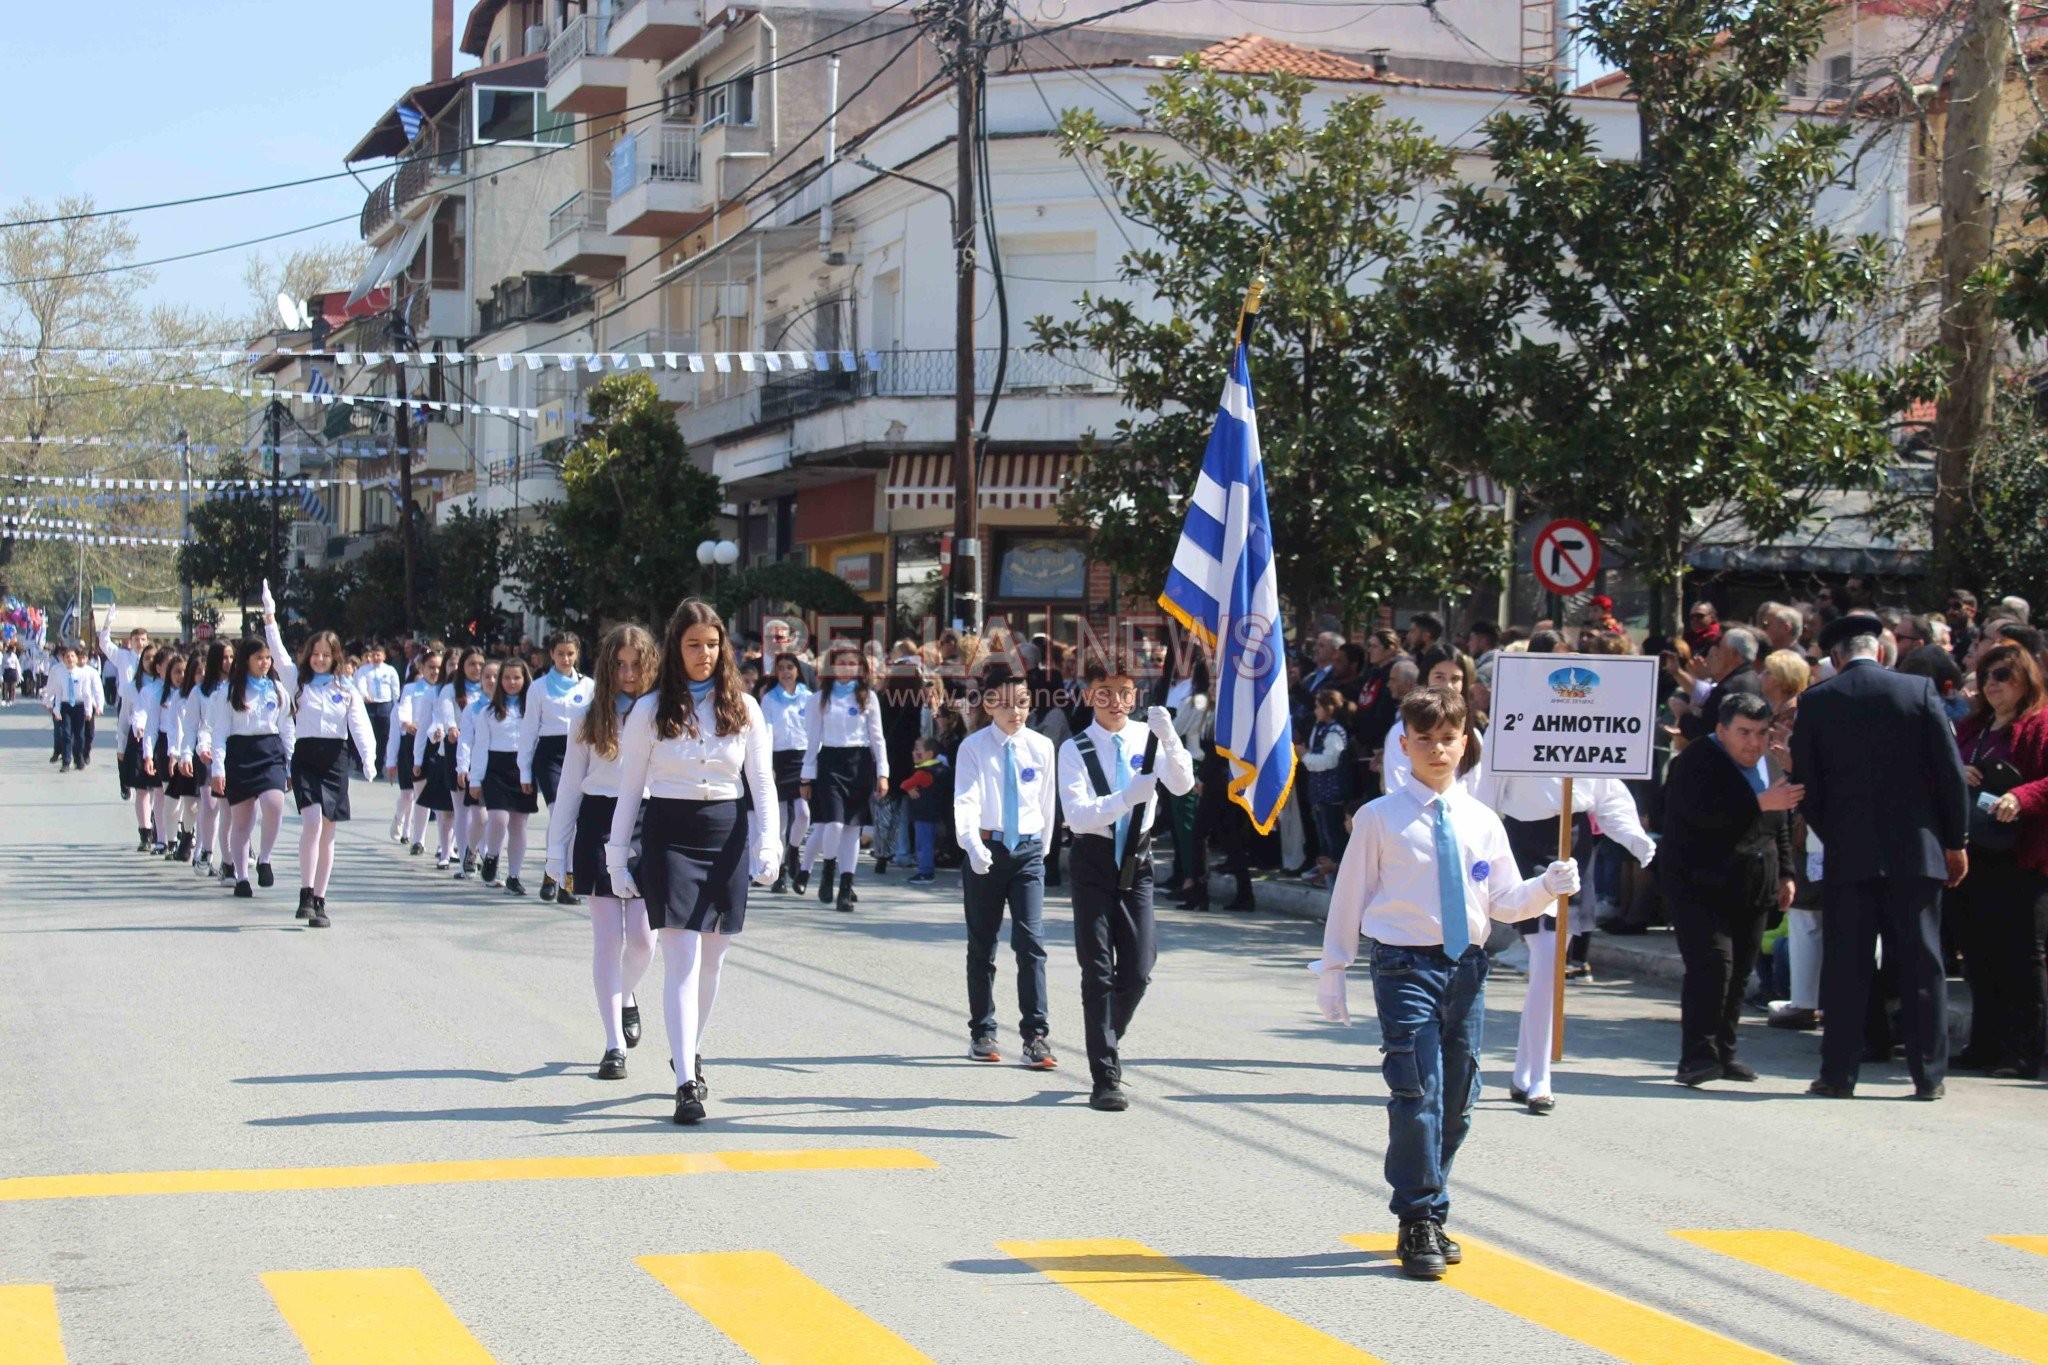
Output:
x,y
788,716
840,722
552,715
584,773
705,767
465,727
493,733
330,708
414,708
264,713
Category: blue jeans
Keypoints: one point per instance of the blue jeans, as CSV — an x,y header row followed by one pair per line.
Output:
x,y
926,833
1432,1011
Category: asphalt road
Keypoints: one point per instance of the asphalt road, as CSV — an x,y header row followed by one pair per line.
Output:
x,y
385,1142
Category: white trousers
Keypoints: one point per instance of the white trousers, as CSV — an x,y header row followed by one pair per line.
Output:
x,y
1802,941
1532,1043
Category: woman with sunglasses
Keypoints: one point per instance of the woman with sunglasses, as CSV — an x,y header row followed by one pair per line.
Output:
x,y
2002,905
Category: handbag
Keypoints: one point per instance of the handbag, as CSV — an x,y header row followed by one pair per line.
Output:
x,y
1987,832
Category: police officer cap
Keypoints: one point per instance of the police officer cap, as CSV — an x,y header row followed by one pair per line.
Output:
x,y
1843,629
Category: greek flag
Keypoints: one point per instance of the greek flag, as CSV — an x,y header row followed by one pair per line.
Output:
x,y
410,119
1222,588
317,385
312,504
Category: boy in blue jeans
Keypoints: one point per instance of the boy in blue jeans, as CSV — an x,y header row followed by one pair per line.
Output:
x,y
929,792
1426,869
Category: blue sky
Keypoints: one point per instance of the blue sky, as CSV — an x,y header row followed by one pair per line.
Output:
x,y
133,102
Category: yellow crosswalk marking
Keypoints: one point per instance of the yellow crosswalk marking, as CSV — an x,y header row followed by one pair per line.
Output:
x,y
2037,1245
1578,1311
776,1313
372,1317
458,1172
1195,1314
1910,1294
29,1334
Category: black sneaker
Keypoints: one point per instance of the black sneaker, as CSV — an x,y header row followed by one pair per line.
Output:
x,y
416,850
1453,1253
305,903
243,890
826,874
983,1050
781,887
1038,1054
629,1024
1422,1253
264,877
490,872
514,887
613,1067
319,920
469,864
689,1103
1732,1070
547,888
1700,1073
799,881
1109,1098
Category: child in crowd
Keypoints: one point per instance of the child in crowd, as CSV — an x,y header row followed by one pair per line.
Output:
x,y
1329,782
930,789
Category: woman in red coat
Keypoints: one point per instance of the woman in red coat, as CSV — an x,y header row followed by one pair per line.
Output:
x,y
2003,904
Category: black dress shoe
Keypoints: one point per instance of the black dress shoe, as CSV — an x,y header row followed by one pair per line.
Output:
x,y
264,876
613,1067
1453,1253
305,902
548,888
1732,1070
629,1024
416,850
689,1103
703,1086
1699,1073
799,881
562,897
826,875
319,919
1539,1105
1109,1097
514,887
1828,1090
1422,1254
1518,1096
243,890
847,900
1930,1093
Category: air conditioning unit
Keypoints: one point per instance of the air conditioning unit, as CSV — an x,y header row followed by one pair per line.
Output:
x,y
536,38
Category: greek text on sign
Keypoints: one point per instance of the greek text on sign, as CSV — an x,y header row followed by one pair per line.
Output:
x,y
1567,557
1573,715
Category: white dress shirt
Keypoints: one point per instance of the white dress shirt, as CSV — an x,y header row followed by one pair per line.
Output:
x,y
978,786
465,728
788,717
1395,769
551,715
329,707
1088,813
141,715
1539,798
492,733
265,711
378,683
706,766
840,722
1387,884
585,772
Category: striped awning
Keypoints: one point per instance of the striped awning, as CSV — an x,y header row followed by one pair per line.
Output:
x,y
1008,482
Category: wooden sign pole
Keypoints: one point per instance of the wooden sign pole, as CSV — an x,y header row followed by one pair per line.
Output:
x,y
1563,935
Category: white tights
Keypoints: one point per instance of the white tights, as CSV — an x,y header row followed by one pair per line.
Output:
x,y
142,807
506,833
690,963
159,816
271,804
444,820
796,822
1532,1044
834,840
416,831
316,849
186,807
621,947
399,817
209,813
472,828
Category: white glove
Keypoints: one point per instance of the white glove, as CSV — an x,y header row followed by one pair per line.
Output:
x,y
623,885
555,869
269,602
1140,790
1160,722
1562,878
1330,995
766,861
980,859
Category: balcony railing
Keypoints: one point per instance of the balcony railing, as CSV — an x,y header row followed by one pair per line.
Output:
x,y
534,296
668,153
583,209
418,167
929,374
583,36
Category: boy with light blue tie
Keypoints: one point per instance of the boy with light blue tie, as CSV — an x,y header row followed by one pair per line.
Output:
x,y
1427,868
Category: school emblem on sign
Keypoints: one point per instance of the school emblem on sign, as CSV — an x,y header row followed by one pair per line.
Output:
x,y
1574,684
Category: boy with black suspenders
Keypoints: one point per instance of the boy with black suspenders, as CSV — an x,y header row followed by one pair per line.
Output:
x,y
1106,789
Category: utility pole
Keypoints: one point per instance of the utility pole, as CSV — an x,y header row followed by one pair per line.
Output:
x,y
967,68
185,534
273,422
402,434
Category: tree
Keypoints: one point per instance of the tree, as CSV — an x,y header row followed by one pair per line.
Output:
x,y
802,586
230,547
468,556
1655,345
301,272
621,544
1361,509
2002,546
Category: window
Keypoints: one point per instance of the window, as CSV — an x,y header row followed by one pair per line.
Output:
x,y
920,592
882,334
731,102
1840,76
519,116
497,54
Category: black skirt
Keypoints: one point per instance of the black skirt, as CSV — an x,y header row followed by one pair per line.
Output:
x,y
548,753
789,774
404,765
253,765
501,785
693,864
177,786
202,775
437,789
320,776
160,759
132,776
587,873
845,781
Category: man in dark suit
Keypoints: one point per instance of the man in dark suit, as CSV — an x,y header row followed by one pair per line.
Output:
x,y
1732,663
1724,862
1884,791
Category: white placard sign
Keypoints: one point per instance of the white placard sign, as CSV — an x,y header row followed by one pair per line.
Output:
x,y
1573,715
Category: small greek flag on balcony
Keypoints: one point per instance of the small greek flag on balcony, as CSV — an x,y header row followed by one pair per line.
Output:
x,y
1222,587
410,119
317,385
312,504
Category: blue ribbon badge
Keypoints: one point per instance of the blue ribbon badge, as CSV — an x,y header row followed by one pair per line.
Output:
x,y
1481,870
1027,774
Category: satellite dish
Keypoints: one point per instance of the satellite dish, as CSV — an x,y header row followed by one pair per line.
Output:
x,y
293,312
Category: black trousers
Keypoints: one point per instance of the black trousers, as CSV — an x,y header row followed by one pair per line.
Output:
x,y
1016,882
1117,943
1905,912
380,728
71,733
2001,916
1719,932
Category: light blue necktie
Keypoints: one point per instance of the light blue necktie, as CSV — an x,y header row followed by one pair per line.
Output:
x,y
1450,884
1118,781
1010,835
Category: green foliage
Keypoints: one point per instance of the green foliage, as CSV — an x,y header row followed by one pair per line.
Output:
x,y
622,542
800,585
460,565
1362,510
1636,341
230,548
2005,545
2024,301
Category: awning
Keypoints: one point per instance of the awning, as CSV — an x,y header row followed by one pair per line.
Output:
x,y
1008,482
387,135
397,254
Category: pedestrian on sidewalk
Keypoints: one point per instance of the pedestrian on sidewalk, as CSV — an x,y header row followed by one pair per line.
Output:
x,y
1427,870
1726,864
327,714
696,746
845,769
494,767
621,940
1003,804
557,701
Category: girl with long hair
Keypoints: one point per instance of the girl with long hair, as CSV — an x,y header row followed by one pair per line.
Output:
x,y
171,750
786,708
846,766
494,765
579,822
249,727
328,714
139,714
210,681
434,750
476,677
413,714
556,701
697,748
